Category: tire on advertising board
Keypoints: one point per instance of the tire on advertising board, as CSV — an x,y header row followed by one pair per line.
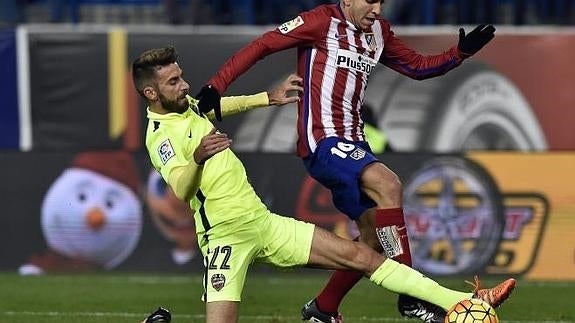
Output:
x,y
455,216
471,107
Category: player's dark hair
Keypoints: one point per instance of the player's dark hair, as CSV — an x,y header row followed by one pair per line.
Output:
x,y
145,66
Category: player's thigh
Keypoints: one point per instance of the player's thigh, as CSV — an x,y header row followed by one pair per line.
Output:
x,y
338,165
286,241
227,260
380,183
222,312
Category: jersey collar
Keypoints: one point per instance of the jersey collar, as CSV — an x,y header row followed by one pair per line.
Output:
x,y
168,116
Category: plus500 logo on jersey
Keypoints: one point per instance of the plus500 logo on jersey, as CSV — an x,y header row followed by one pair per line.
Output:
x,y
350,60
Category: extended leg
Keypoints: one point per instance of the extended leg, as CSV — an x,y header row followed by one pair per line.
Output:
x,y
332,252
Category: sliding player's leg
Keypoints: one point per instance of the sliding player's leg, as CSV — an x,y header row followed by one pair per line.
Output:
x,y
332,252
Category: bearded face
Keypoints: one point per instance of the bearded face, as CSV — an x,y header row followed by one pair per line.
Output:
x,y
172,89
178,105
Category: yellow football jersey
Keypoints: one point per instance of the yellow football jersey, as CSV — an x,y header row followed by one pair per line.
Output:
x,y
224,191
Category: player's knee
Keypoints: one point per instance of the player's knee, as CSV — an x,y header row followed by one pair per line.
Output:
x,y
366,258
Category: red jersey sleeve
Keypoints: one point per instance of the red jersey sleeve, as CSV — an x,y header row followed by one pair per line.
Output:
x,y
399,57
305,29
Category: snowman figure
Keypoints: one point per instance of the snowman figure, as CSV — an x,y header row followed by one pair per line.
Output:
x,y
91,216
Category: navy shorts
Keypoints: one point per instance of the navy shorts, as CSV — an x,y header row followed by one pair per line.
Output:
x,y
337,164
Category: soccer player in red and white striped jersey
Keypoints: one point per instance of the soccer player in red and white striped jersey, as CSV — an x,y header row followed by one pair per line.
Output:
x,y
339,45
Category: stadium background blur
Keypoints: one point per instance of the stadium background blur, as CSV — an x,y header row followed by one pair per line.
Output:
x,y
486,154
262,12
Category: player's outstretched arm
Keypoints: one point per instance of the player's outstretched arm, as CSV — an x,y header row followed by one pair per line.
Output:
x,y
403,59
278,96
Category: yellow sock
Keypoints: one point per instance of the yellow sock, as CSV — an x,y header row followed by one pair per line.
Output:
x,y
404,280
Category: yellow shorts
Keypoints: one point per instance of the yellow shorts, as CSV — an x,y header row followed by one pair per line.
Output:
x,y
230,248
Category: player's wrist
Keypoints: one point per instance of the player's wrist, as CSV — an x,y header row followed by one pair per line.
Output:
x,y
198,159
214,85
461,54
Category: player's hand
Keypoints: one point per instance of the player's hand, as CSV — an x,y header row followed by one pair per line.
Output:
x,y
471,43
281,94
211,144
209,100
161,315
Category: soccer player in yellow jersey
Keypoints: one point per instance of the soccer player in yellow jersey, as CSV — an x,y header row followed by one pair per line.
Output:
x,y
234,227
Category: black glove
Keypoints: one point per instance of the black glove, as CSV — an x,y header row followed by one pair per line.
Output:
x,y
161,315
209,99
471,43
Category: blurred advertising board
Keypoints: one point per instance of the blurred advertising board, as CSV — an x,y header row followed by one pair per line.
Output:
x,y
76,91
492,213
529,180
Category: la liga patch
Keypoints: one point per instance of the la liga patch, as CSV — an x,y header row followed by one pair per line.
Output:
x,y
166,151
286,27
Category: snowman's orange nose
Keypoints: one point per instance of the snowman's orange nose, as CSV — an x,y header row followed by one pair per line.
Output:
x,y
96,219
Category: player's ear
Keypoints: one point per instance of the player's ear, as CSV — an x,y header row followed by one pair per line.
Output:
x,y
150,93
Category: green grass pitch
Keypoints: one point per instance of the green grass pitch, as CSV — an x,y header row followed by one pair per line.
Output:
x,y
273,298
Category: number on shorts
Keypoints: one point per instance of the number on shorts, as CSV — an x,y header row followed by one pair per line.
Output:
x,y
227,251
342,149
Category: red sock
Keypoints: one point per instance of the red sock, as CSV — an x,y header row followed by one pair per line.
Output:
x,y
339,284
394,217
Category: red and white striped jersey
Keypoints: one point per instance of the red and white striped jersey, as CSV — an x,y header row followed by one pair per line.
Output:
x,y
335,60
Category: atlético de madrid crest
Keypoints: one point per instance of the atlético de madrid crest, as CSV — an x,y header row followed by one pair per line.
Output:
x,y
218,281
370,39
